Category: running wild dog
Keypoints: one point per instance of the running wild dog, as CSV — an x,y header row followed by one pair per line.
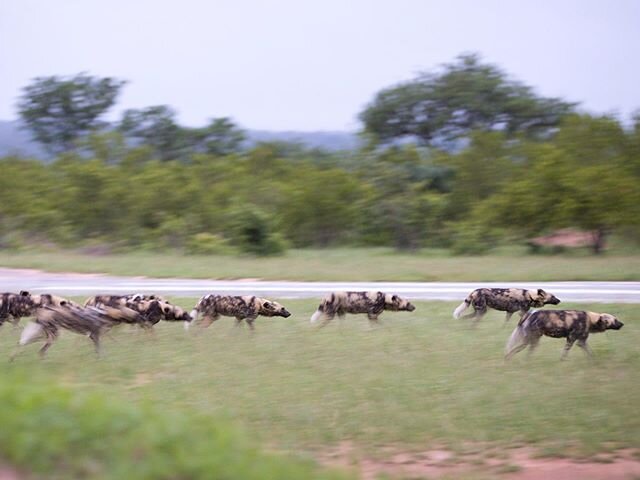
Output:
x,y
508,300
246,308
574,325
371,303
90,321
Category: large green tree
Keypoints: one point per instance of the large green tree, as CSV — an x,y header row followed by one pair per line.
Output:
x,y
60,110
220,137
157,128
439,108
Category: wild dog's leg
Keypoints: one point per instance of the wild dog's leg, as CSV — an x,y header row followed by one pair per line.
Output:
x,y
95,338
533,344
239,321
250,319
585,346
326,319
208,320
373,318
516,349
470,315
51,337
508,317
567,347
477,316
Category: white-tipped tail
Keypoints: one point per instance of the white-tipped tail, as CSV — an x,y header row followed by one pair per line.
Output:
x,y
194,317
516,339
316,316
459,309
32,332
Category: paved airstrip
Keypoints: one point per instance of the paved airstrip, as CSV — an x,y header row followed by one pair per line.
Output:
x,y
70,284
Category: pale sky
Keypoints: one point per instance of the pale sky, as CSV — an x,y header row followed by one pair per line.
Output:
x,y
314,65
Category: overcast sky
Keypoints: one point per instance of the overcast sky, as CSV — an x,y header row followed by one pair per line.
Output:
x,y
313,65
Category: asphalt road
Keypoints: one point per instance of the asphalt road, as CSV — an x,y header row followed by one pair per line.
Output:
x,y
69,284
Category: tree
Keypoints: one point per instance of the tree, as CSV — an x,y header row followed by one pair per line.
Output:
x,y
440,108
59,110
584,178
156,127
220,137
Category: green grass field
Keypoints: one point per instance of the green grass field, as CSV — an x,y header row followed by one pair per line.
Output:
x,y
357,264
421,380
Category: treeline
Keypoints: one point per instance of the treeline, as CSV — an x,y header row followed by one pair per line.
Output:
x,y
260,201
461,158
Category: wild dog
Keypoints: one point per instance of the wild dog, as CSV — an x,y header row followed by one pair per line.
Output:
x,y
371,303
14,306
246,308
91,321
574,325
152,308
508,300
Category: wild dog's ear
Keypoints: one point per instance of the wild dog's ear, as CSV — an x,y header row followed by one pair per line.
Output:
x,y
268,305
24,293
166,309
395,298
541,292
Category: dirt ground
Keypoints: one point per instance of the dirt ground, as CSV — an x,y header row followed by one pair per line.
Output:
x,y
513,464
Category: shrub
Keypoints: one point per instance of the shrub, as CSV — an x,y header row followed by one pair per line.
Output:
x,y
205,243
253,232
58,433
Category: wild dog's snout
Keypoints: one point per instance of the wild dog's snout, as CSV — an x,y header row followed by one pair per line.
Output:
x,y
554,300
285,313
411,307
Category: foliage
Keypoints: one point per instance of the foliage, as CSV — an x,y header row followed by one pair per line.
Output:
x,y
205,243
492,160
584,178
220,137
60,433
157,128
252,231
59,110
442,107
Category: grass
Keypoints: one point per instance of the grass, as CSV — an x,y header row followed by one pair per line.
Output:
x,y
422,380
54,432
344,264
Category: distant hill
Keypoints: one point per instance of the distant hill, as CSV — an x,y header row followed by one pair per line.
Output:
x,y
16,141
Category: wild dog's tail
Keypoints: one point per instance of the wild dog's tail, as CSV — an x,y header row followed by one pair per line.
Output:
x,y
518,336
316,315
194,313
319,313
461,308
194,317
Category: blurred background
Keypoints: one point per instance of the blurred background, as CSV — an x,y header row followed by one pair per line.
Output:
x,y
359,140
246,127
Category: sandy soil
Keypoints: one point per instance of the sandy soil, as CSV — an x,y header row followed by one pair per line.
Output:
x,y
513,464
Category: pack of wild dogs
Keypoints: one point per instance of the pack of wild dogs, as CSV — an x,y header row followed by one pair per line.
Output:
x,y
101,313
